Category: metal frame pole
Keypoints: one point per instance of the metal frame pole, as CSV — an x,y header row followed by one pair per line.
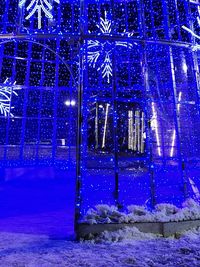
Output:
x,y
79,121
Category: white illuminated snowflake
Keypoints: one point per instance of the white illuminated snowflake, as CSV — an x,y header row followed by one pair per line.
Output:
x,y
6,92
97,49
196,36
39,6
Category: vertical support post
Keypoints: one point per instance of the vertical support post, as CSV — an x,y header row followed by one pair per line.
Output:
x,y
176,133
115,124
148,127
79,119
55,121
78,145
147,104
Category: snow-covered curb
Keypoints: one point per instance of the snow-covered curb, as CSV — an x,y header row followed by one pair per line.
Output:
x,y
162,213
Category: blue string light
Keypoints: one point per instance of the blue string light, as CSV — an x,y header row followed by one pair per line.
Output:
x,y
37,6
7,91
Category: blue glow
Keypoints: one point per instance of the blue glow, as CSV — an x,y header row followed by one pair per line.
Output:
x,y
131,68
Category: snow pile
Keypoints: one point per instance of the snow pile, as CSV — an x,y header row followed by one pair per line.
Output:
x,y
123,235
191,234
163,212
103,214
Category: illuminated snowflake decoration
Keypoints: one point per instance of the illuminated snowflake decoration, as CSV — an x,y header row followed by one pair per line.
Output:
x,y
98,49
6,93
39,6
196,36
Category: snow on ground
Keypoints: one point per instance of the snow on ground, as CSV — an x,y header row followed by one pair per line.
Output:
x,y
129,247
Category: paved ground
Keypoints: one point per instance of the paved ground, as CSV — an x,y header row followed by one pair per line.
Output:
x,y
38,206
